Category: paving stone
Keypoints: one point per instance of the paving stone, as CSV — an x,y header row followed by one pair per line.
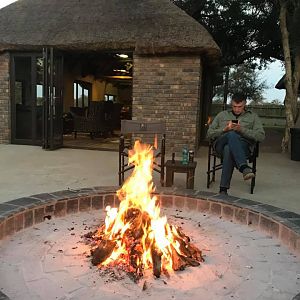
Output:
x,y
227,212
167,201
60,209
5,208
66,194
3,296
287,214
19,222
72,206
39,214
204,194
32,270
215,208
9,226
26,202
109,200
45,289
247,202
28,218
84,203
97,202
268,208
295,221
44,197
240,215
191,203
203,205
179,201
67,283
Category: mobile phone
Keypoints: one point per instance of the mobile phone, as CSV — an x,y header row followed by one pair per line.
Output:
x,y
235,121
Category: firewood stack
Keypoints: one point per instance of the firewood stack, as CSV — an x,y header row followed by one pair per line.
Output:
x,y
138,239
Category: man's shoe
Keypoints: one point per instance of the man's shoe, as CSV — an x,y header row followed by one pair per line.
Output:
x,y
223,193
248,174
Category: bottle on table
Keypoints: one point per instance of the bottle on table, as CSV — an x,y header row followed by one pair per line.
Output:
x,y
185,155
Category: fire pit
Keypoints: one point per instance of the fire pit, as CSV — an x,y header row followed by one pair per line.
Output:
x,y
135,235
51,261
51,258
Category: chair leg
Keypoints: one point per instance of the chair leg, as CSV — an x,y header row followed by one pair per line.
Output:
x,y
208,168
162,161
254,171
121,160
214,169
252,185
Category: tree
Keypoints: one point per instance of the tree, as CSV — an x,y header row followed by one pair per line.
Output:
x,y
244,78
244,30
276,102
250,29
289,18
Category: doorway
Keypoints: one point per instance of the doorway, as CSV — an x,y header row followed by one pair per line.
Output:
x,y
48,89
27,98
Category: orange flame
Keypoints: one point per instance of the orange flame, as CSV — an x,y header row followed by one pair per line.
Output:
x,y
135,197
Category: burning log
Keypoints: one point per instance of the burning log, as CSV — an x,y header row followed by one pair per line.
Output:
x,y
136,262
102,252
156,261
178,262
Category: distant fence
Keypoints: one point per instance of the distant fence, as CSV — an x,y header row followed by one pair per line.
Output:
x,y
271,115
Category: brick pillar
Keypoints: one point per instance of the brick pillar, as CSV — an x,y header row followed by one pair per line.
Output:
x,y
4,99
168,88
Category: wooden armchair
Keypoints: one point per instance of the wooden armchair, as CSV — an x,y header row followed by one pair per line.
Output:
x,y
93,123
144,128
215,163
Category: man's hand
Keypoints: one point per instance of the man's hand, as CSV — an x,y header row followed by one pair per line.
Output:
x,y
236,126
232,126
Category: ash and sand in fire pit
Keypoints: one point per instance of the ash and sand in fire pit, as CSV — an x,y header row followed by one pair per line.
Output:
x,y
135,236
50,261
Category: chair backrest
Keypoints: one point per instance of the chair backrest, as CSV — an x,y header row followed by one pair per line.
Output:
x,y
143,127
144,130
95,109
77,111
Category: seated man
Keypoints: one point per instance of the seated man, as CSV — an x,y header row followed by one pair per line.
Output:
x,y
235,131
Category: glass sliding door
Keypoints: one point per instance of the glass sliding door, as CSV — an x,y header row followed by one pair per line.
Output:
x,y
23,98
26,96
53,99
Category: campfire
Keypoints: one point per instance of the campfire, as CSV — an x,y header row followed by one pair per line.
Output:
x,y
134,235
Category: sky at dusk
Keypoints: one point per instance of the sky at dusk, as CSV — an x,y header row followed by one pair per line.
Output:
x,y
272,74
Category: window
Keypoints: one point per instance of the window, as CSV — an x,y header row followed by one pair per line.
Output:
x,y
108,97
82,93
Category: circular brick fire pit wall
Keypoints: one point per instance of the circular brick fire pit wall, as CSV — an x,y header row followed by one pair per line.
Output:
x,y
277,223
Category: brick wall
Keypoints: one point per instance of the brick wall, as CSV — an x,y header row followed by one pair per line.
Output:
x,y
167,88
4,99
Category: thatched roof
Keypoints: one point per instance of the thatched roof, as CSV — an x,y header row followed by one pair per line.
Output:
x,y
144,26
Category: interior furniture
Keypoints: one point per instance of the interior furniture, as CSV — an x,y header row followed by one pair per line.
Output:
x,y
131,130
90,121
215,163
177,166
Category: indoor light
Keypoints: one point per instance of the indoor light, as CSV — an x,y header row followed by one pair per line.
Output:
x,y
122,55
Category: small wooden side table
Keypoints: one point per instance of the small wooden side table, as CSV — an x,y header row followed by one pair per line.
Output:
x,y
178,167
